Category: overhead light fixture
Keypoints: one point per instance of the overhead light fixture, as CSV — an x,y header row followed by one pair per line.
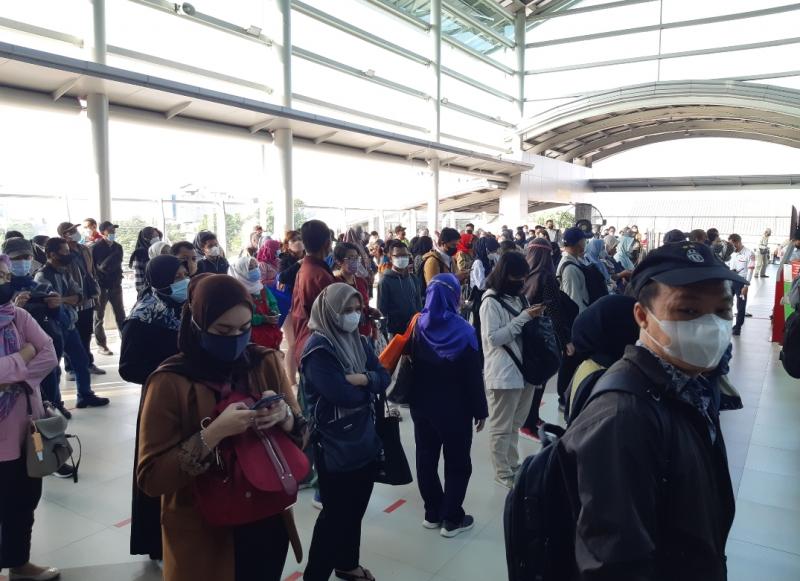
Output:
x,y
188,9
370,73
253,30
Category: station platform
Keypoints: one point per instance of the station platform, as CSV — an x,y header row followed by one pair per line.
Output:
x,y
84,529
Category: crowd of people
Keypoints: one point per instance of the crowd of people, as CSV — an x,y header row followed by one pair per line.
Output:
x,y
282,347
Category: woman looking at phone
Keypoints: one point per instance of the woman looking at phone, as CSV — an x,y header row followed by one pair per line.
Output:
x,y
341,377
504,311
178,438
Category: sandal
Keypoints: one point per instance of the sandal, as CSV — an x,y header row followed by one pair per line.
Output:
x,y
364,576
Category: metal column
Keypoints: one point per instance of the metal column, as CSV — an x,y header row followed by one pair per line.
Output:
x,y
436,115
97,109
284,201
519,39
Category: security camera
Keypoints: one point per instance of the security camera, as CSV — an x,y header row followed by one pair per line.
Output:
x,y
188,9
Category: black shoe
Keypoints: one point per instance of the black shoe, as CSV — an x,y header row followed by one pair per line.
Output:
x,y
748,315
63,410
764,276
66,471
450,529
93,402
95,370
737,331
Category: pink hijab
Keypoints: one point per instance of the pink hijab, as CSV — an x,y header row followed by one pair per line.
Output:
x,y
268,261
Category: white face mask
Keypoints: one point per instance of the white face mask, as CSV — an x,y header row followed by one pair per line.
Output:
x,y
349,321
700,342
214,251
154,239
76,236
400,262
494,257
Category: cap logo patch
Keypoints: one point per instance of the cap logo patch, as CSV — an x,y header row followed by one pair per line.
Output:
x,y
694,255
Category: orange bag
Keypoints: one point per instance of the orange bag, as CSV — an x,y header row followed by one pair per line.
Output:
x,y
397,346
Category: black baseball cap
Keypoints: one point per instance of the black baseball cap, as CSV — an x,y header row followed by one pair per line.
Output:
x,y
106,225
681,264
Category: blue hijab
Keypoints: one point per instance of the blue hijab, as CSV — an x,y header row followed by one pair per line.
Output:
x,y
624,252
595,249
440,326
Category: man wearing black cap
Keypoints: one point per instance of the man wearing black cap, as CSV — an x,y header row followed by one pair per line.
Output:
x,y
644,463
107,257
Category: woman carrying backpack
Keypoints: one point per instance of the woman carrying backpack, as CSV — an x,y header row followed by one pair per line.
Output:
x,y
447,376
504,311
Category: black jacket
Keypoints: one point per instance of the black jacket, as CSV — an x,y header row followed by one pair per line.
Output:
x,y
144,348
447,391
629,527
399,299
107,263
218,265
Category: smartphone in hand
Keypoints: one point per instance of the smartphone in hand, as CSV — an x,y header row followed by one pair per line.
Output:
x,y
266,402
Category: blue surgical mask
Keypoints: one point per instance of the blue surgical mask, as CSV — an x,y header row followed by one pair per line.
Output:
x,y
21,267
112,237
254,275
179,290
223,347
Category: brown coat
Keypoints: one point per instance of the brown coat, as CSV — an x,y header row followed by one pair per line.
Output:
x,y
172,408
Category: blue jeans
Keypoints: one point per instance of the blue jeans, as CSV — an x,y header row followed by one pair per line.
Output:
x,y
51,385
73,348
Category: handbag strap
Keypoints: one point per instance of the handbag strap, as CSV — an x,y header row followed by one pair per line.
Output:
x,y
279,462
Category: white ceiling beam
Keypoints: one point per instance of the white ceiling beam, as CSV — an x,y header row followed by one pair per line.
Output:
x,y
476,166
324,138
414,154
177,109
63,89
375,147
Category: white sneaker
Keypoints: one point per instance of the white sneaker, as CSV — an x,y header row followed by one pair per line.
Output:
x,y
431,525
450,530
504,482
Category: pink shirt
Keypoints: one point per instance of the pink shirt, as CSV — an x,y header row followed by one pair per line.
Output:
x,y
13,369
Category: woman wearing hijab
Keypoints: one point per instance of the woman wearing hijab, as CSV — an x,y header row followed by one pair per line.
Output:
x,y
504,311
266,331
542,288
341,378
465,254
347,262
625,250
292,252
419,249
212,259
149,337
158,248
178,439
140,256
448,397
27,356
485,258
600,333
268,261
594,254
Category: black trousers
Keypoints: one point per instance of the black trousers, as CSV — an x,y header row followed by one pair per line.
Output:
x,y
533,415
259,550
51,385
19,499
454,438
85,327
113,296
569,364
336,543
741,305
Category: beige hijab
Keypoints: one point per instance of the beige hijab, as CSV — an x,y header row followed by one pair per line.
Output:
x,y
325,319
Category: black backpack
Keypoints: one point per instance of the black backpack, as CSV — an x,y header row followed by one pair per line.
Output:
x,y
541,354
790,353
595,281
538,518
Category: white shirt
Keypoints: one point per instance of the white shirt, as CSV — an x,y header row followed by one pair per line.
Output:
x,y
447,259
743,262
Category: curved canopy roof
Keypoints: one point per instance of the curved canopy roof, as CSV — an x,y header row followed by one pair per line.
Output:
x,y
603,124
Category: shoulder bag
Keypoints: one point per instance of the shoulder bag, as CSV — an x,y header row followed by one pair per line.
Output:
x,y
393,467
46,445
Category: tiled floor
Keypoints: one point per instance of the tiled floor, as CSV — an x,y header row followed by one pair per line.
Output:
x,y
83,528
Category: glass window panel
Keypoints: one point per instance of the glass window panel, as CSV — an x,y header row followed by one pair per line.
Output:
x,y
339,88
581,81
761,29
471,36
788,82
377,21
154,32
468,96
322,39
596,21
601,49
533,108
468,65
72,17
469,127
360,119
488,13
675,10
731,64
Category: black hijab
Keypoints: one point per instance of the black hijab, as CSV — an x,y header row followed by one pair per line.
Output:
x,y
540,262
483,248
605,328
146,234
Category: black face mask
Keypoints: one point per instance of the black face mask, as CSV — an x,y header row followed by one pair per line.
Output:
x,y
513,287
451,251
65,259
6,292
